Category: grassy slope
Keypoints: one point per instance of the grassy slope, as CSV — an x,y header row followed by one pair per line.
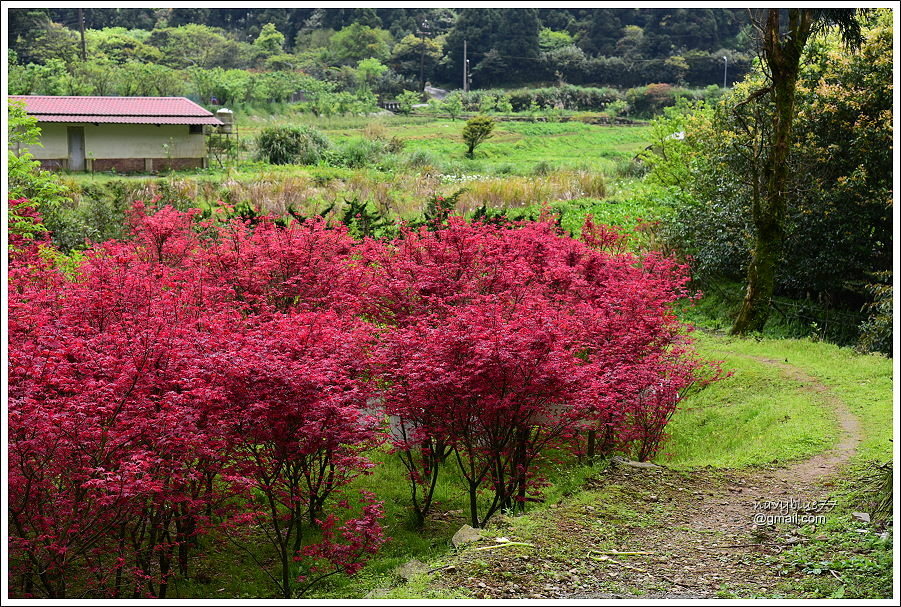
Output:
x,y
757,416
864,382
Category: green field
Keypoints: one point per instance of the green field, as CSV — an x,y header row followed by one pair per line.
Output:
x,y
515,147
395,165
519,147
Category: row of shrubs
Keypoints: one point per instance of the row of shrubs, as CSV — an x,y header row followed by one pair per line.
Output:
x,y
642,101
221,384
693,68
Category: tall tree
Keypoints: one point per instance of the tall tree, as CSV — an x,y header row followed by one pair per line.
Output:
x,y
517,39
475,26
780,47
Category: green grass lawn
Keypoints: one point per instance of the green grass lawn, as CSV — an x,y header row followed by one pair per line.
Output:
x,y
757,416
519,147
862,381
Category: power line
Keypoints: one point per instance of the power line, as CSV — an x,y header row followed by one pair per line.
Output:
x,y
538,58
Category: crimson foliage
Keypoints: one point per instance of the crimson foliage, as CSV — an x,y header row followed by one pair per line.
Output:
x,y
164,393
505,341
227,379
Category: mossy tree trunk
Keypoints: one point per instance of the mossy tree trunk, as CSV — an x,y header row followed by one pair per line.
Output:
x,y
781,49
782,56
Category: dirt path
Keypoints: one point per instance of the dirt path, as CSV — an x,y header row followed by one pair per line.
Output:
x,y
701,534
824,464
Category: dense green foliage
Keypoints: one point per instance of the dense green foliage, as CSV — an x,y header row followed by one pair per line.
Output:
x,y
876,330
26,179
642,101
839,214
505,46
291,145
476,131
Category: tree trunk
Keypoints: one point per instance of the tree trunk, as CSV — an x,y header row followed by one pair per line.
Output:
x,y
474,504
782,56
761,279
592,440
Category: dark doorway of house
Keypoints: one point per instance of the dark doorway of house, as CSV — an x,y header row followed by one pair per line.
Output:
x,y
76,148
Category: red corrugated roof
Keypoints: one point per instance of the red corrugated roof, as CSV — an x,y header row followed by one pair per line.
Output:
x,y
141,110
127,119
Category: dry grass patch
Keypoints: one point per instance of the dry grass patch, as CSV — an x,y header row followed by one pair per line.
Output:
x,y
503,192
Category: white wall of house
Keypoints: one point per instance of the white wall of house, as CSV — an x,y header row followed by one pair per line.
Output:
x,y
122,141
53,137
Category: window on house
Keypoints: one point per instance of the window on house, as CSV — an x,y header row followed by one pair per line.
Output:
x,y
195,128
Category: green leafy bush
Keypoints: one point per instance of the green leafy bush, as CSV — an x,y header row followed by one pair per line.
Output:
x,y
838,219
291,145
359,152
407,100
876,331
25,177
421,158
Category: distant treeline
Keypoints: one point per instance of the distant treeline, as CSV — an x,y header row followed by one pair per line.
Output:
x,y
400,48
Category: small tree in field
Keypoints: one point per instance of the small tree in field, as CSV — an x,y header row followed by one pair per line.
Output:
x,y
407,100
453,105
289,394
476,131
507,389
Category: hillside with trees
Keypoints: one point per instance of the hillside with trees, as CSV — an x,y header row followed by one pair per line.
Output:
x,y
386,50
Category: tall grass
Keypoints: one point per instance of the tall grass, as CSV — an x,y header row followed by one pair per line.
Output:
x,y
394,163
355,123
517,191
398,195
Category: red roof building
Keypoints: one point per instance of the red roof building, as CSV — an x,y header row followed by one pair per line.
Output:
x,y
126,134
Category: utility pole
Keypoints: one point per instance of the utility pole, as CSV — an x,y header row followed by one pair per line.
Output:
x,y
84,50
465,70
725,69
422,34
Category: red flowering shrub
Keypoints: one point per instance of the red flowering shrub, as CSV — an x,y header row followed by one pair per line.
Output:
x,y
220,377
504,340
308,266
109,449
493,380
288,387
145,396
